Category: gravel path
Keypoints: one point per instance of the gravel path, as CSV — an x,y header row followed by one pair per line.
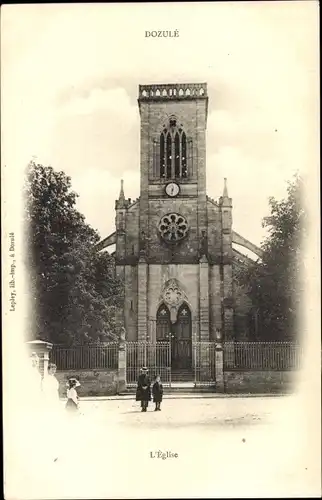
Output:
x,y
226,447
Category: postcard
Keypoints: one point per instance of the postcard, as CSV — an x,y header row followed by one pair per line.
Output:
x,y
160,255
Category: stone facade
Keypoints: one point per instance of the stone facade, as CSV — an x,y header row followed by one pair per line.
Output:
x,y
200,256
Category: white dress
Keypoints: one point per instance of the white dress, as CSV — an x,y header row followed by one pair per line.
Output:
x,y
72,400
50,388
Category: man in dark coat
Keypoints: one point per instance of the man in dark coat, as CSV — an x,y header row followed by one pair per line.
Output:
x,y
143,391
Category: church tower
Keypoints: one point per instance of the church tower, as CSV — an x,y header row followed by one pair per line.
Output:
x,y
174,244
173,170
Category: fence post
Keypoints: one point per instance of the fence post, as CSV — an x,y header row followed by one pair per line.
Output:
x,y
219,367
195,363
121,375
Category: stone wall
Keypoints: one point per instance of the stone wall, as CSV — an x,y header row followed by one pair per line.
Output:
x,y
93,382
105,382
259,382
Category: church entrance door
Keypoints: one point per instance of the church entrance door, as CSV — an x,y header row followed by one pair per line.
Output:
x,y
181,345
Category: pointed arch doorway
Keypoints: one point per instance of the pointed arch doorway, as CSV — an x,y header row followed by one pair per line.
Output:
x,y
181,341
181,335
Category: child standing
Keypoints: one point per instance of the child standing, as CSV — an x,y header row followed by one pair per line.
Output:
x,y
72,397
157,391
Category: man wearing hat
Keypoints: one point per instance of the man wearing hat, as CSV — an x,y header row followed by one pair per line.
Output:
x,y
143,391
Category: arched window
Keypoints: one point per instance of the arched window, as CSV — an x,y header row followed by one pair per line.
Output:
x,y
174,152
184,322
163,323
162,159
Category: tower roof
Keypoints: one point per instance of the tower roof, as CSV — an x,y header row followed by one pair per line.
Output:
x,y
165,92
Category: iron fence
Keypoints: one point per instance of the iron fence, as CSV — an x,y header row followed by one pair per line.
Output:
x,y
278,356
85,357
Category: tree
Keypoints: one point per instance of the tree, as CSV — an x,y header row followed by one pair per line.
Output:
x,y
73,287
273,283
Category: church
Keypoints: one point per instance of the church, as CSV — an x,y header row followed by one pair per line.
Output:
x,y
174,245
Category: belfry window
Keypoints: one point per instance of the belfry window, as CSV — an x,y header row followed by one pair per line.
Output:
x,y
177,155
184,155
169,155
173,152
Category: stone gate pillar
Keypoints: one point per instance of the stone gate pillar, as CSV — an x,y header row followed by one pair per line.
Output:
x,y
219,363
42,349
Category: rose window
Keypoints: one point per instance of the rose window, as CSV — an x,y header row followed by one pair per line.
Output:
x,y
173,227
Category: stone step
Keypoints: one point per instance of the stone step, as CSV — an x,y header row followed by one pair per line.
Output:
x,y
178,390
182,376
182,373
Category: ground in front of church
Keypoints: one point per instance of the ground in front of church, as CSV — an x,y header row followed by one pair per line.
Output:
x,y
216,447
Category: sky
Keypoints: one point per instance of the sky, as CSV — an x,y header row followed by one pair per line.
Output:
x,y
70,76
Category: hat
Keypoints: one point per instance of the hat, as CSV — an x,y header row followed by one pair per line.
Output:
x,y
144,369
73,382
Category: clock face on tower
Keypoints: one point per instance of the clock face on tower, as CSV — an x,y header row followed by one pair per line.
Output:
x,y
172,189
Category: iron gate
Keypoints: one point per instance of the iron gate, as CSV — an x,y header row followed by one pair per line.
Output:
x,y
155,356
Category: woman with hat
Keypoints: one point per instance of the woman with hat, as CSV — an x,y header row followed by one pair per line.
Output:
x,y
143,391
72,397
